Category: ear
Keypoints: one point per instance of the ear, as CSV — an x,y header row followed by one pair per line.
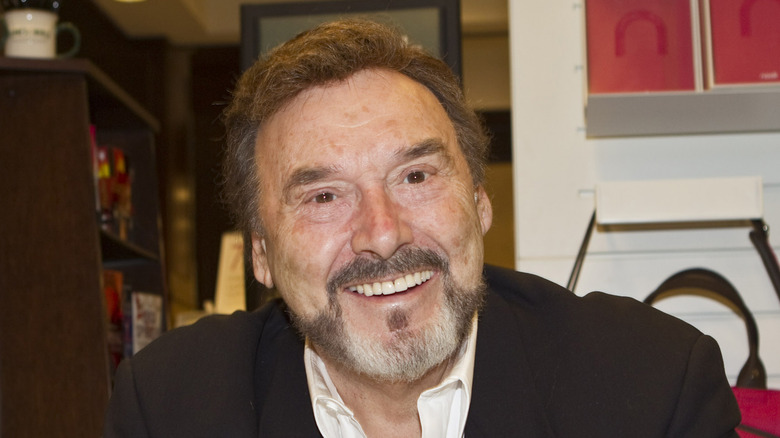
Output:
x,y
260,261
484,209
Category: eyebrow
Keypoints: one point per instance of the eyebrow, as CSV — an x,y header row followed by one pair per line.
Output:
x,y
309,175
429,146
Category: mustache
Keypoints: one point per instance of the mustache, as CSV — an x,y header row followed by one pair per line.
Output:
x,y
365,269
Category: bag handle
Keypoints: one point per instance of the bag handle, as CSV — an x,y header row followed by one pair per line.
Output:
x,y
760,238
710,284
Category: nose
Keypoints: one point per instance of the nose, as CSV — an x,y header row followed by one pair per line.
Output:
x,y
378,227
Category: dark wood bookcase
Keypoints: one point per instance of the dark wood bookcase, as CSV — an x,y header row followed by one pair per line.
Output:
x,y
55,378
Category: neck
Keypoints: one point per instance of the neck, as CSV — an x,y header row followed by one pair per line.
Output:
x,y
383,408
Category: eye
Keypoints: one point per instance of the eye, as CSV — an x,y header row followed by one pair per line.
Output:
x,y
416,177
324,197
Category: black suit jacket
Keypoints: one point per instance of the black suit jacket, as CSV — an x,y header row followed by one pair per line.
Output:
x,y
548,364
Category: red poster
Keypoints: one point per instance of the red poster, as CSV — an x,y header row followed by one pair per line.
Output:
x,y
640,45
745,41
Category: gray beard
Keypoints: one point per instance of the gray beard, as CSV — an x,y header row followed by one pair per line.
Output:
x,y
410,355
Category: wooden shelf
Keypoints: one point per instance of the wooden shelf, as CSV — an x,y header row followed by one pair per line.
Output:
x,y
53,325
114,249
749,109
109,104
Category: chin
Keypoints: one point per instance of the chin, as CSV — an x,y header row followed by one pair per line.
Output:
x,y
406,353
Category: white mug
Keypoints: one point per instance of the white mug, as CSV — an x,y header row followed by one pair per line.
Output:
x,y
32,33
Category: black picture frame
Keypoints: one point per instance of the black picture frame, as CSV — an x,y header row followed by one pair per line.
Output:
x,y
289,19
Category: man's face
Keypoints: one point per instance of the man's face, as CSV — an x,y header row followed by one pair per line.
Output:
x,y
372,225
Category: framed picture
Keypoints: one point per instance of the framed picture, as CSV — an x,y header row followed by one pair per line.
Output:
x,y
433,24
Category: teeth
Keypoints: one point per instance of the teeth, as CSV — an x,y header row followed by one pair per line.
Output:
x,y
400,284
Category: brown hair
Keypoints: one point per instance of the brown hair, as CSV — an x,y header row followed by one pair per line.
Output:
x,y
330,53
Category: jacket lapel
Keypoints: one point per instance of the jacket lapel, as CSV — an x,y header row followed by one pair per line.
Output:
x,y
282,397
504,399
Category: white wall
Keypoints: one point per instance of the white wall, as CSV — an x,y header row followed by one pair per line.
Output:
x,y
556,168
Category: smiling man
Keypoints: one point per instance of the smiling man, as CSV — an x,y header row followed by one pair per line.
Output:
x,y
356,170
382,204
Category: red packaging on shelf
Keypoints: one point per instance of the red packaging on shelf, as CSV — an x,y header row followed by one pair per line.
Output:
x,y
743,41
642,45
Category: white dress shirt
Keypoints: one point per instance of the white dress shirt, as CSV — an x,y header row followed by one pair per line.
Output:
x,y
442,409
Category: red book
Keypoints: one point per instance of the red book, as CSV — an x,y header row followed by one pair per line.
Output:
x,y
743,41
641,45
104,187
112,289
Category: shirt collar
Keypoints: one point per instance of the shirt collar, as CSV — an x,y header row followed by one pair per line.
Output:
x,y
333,417
443,408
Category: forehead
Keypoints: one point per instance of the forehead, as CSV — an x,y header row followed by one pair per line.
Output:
x,y
371,111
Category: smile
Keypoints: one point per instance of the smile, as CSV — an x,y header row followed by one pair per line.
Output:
x,y
400,284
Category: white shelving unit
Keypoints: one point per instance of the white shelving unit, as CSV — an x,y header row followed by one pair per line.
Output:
x,y
753,109
566,142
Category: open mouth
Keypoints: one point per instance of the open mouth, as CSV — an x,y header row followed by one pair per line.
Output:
x,y
400,284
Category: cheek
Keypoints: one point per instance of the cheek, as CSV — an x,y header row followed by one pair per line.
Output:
x,y
460,217
460,232
301,261
468,230
296,280
453,226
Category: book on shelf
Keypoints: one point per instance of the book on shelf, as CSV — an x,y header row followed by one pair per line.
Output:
x,y
93,148
742,42
105,196
134,318
643,45
122,194
144,321
127,321
114,180
113,283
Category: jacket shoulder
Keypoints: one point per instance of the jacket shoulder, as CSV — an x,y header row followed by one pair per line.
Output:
x,y
594,312
196,380
606,361
211,337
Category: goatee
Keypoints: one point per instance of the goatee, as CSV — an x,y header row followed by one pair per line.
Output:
x,y
410,353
